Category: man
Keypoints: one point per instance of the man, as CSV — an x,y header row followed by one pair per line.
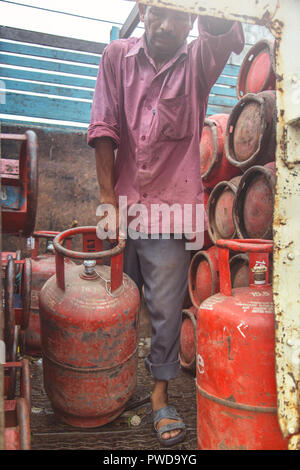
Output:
x,y
150,103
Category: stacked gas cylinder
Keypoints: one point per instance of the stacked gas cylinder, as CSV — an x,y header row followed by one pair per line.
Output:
x,y
237,152
227,336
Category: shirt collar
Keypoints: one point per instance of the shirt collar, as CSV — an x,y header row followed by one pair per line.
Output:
x,y
141,44
134,50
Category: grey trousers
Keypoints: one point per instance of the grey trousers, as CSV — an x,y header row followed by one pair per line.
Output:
x,y
162,267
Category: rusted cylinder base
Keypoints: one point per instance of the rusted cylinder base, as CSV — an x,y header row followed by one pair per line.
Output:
x,y
254,202
257,72
203,277
214,165
251,131
81,422
89,398
219,210
187,352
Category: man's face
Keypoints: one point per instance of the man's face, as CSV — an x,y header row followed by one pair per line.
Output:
x,y
166,30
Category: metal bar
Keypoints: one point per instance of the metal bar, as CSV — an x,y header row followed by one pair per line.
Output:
x,y
43,39
40,76
21,137
47,107
51,53
2,423
48,65
49,89
260,12
130,23
114,33
286,225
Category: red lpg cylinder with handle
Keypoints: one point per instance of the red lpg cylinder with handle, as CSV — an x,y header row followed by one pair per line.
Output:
x,y
43,267
215,167
236,384
89,334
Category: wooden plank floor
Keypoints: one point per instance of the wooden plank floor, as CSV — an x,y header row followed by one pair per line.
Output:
x,y
48,433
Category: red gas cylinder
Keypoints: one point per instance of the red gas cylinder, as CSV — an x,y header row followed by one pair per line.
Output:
x,y
43,267
203,277
213,162
251,131
236,384
254,202
89,334
187,351
219,210
19,185
257,72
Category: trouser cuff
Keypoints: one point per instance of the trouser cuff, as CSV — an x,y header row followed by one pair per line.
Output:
x,y
163,371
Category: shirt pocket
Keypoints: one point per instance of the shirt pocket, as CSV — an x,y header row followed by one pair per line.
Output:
x,y
173,119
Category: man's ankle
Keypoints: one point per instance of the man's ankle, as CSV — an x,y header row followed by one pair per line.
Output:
x,y
159,396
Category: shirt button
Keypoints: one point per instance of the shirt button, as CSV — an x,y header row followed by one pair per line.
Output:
x,y
144,195
143,137
144,167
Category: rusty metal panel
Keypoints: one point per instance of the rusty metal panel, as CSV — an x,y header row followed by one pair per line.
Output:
x,y
260,12
282,18
286,225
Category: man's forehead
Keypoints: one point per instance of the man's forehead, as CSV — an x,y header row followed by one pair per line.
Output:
x,y
164,10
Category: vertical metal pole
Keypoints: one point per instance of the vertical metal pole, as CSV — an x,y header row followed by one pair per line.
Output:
x,y
2,423
286,225
114,33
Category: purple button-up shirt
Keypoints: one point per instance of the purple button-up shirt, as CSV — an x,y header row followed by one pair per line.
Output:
x,y
156,117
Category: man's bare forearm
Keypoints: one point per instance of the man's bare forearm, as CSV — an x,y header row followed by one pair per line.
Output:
x,y
105,158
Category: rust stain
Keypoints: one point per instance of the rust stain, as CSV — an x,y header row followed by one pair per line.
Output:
x,y
276,27
294,442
